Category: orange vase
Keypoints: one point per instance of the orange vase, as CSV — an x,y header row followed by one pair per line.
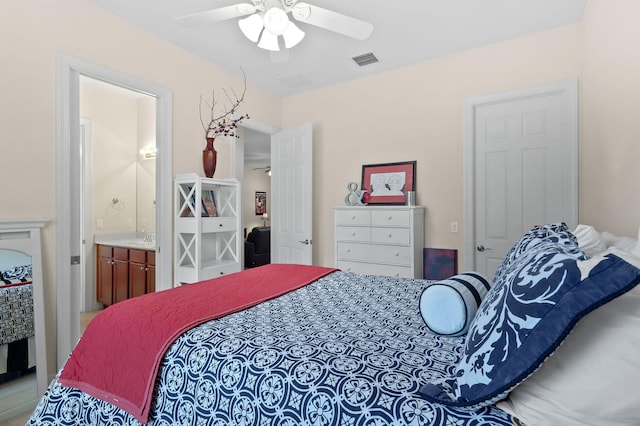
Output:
x,y
209,158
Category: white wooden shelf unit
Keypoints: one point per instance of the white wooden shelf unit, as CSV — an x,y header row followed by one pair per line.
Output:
x,y
206,246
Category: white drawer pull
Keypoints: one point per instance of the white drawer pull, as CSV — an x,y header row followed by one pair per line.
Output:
x,y
353,234
348,250
353,217
397,254
389,235
389,217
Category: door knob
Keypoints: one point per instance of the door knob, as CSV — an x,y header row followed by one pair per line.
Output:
x,y
307,242
482,248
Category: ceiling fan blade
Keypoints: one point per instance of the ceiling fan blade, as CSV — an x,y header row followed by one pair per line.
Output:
x,y
217,15
333,21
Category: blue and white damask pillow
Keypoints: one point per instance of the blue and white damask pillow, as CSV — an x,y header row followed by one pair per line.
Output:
x,y
553,233
524,318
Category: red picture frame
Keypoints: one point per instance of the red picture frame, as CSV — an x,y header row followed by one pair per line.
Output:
x,y
388,183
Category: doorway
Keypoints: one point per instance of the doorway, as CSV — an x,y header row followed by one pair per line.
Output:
x,y
68,200
521,167
118,191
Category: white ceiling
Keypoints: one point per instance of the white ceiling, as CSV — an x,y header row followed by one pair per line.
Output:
x,y
405,32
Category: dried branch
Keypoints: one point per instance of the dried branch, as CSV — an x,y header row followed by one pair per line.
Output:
x,y
225,123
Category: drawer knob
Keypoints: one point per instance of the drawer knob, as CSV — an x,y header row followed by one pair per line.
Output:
x,y
353,234
390,235
353,217
389,217
397,254
348,250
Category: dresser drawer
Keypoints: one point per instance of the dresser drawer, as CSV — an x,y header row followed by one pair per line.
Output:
x,y
391,236
375,269
393,255
353,217
353,233
219,224
391,218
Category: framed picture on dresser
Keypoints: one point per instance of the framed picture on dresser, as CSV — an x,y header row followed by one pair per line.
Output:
x,y
388,183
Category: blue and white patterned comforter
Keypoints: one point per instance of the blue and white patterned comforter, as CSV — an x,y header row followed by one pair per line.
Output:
x,y
346,350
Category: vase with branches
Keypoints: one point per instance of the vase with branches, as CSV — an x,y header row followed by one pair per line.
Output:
x,y
222,121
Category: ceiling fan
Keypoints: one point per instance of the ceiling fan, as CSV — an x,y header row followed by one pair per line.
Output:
x,y
269,19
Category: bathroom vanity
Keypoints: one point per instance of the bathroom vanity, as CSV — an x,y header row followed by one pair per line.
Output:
x,y
124,270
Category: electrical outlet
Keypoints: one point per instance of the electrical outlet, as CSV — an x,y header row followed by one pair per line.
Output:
x,y
454,226
99,224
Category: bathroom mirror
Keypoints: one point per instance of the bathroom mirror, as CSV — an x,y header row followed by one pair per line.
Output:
x,y
23,364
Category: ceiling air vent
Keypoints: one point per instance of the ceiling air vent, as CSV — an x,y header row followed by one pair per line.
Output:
x,y
365,59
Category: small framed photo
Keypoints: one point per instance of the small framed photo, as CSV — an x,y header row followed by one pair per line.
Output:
x,y
209,206
388,183
261,203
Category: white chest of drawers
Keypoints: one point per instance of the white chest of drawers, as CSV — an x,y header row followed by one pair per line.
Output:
x,y
380,240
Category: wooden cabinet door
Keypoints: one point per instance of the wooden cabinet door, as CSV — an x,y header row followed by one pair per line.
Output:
x,y
120,280
137,279
104,282
151,278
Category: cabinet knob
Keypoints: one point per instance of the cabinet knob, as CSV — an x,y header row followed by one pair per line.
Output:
x,y
142,268
389,235
353,217
348,250
353,234
220,225
397,254
389,217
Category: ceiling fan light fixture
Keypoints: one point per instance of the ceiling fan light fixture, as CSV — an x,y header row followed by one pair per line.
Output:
x,y
251,27
276,21
269,41
292,36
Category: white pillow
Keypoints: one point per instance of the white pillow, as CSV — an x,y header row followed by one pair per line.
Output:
x,y
592,379
589,240
623,243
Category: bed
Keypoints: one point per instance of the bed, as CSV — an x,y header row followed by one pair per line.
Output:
x,y
346,349
17,346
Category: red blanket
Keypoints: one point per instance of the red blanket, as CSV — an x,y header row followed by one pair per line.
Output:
x,y
118,356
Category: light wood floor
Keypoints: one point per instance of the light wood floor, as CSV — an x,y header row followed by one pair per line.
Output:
x,y
24,388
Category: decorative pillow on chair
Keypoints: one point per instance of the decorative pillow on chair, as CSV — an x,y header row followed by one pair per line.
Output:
x,y
448,306
523,319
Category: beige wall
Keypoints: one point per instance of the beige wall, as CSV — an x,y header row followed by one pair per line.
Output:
x,y
416,113
32,32
114,141
610,106
146,167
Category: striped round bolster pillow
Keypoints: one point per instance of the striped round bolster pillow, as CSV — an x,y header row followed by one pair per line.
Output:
x,y
448,306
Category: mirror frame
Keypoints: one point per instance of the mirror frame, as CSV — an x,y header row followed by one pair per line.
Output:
x,y
24,235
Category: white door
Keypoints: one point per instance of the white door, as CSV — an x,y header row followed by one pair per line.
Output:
x,y
524,167
291,189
